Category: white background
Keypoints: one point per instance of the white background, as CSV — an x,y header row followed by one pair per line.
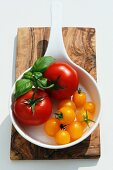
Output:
x,y
91,13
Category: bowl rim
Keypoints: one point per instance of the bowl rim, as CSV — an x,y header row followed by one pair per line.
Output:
x,y
48,146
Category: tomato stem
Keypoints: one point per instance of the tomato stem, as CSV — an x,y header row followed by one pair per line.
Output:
x,y
44,87
79,90
56,86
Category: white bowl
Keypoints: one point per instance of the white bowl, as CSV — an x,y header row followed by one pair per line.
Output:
x,y
36,134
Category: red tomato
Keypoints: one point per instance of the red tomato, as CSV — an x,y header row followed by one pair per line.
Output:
x,y
65,79
24,112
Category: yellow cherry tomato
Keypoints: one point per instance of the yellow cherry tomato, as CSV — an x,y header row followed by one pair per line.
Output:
x,y
75,130
52,126
62,137
84,117
66,115
79,98
89,106
67,103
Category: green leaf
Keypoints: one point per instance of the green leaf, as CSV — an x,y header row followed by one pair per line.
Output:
x,y
27,75
42,63
43,81
37,75
39,84
22,87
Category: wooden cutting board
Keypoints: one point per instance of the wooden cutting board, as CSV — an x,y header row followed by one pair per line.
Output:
x,y
80,46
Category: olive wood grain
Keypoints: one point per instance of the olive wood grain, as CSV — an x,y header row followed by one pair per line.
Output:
x,y
80,46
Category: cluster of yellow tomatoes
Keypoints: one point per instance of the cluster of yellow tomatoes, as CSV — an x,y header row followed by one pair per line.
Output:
x,y
71,119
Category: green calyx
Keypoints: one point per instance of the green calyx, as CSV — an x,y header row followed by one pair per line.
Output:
x,y
87,120
32,102
59,116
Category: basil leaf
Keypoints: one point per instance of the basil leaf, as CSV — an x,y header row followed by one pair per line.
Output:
x,y
37,75
28,75
44,81
39,84
22,87
42,63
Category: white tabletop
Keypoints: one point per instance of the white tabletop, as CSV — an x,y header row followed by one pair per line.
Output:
x,y
89,13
